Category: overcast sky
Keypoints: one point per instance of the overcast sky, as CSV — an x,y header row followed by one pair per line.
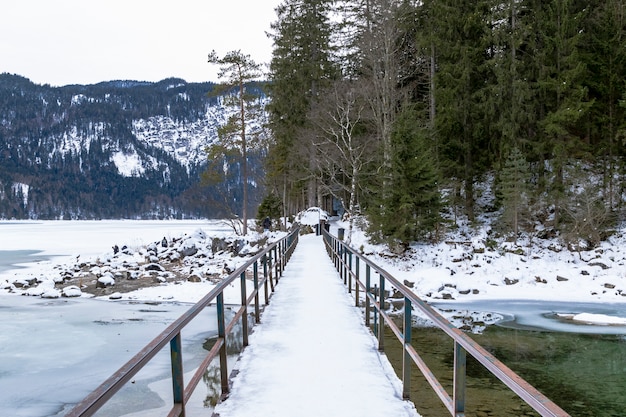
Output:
x,y
62,42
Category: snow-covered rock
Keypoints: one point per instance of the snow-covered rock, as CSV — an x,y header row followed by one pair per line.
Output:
x,y
71,291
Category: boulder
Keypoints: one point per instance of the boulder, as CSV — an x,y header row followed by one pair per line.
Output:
x,y
509,281
71,291
188,250
105,280
154,267
194,278
600,264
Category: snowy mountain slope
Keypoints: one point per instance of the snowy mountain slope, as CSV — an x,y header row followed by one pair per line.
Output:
x,y
115,149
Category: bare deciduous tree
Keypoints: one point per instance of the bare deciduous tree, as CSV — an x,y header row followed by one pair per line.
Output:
x,y
344,143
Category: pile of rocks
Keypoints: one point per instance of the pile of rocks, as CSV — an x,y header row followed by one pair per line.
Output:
x,y
194,258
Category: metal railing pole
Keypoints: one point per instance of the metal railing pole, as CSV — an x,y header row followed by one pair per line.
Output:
x,y
269,270
368,291
349,271
276,264
381,322
265,283
244,306
460,368
221,333
406,357
257,308
376,293
344,251
178,383
358,278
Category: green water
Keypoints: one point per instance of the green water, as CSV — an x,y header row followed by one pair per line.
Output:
x,y
584,374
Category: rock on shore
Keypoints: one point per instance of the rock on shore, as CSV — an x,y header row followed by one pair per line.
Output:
x,y
194,257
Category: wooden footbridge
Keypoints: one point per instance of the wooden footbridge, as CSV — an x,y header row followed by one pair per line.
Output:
x,y
344,375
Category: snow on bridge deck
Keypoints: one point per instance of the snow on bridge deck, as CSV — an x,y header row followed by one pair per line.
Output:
x,y
312,354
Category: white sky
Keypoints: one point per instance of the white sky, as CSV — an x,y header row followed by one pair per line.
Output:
x,y
62,42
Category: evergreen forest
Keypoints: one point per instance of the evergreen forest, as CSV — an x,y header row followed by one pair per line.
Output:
x,y
405,111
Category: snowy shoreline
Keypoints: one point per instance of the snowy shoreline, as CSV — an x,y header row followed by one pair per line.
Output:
x,y
446,272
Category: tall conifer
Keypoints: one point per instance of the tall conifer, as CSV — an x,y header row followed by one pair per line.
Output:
x,y
513,189
462,78
301,66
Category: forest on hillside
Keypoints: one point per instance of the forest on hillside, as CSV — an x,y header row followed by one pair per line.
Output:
x,y
399,108
116,149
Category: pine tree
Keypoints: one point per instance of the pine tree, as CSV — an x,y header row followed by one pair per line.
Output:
x,y
513,189
238,69
509,104
301,66
561,100
411,209
605,60
271,207
462,81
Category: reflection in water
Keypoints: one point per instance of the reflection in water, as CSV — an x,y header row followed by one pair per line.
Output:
x,y
212,376
585,374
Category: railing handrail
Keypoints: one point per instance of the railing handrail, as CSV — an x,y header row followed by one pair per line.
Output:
x,y
339,251
274,256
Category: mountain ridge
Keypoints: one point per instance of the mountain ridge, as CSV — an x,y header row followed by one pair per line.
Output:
x,y
115,149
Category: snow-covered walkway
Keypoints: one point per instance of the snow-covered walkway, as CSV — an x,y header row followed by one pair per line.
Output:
x,y
312,355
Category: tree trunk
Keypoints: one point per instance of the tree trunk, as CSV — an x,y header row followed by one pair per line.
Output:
x,y
244,154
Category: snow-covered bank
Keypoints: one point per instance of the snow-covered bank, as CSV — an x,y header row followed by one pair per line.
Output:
x,y
183,260
475,267
132,267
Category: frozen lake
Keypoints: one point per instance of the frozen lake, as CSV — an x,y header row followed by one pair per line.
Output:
x,y
543,315
55,352
40,241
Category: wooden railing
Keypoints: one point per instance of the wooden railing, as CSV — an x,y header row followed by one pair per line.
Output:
x,y
349,264
272,260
